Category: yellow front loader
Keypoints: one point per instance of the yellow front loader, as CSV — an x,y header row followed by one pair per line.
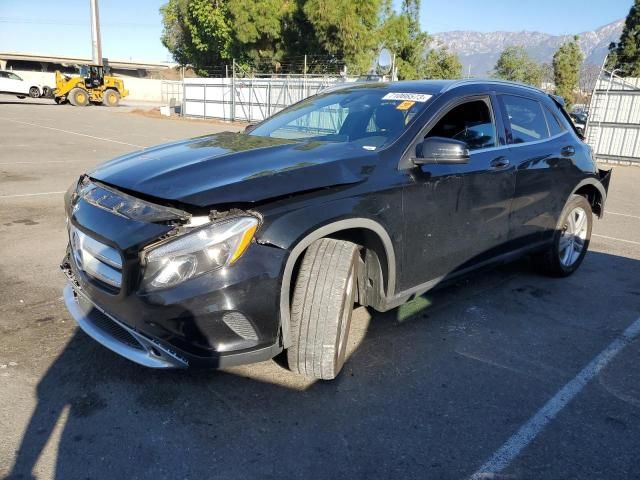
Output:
x,y
92,86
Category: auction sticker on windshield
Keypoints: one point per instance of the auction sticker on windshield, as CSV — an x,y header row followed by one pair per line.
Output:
x,y
411,97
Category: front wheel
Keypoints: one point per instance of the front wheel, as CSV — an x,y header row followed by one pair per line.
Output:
x,y
78,97
111,98
570,240
321,308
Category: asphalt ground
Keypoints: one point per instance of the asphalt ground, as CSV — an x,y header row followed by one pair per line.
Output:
x,y
506,374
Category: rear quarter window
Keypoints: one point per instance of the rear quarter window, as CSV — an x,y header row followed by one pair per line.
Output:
x,y
555,125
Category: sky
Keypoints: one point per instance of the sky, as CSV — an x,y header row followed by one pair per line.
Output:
x,y
131,28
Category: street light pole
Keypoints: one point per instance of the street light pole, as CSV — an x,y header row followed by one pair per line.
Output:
x,y
96,42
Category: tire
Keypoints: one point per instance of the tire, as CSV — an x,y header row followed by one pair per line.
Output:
x,y
78,97
111,98
34,92
321,308
59,100
570,239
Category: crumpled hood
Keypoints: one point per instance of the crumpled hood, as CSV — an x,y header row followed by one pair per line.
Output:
x,y
235,168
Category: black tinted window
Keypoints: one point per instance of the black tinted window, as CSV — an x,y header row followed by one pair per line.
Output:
x,y
470,122
526,118
555,127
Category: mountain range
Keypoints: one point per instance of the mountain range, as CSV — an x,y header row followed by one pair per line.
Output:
x,y
479,51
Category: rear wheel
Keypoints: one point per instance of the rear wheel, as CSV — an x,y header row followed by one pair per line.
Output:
x,y
79,97
111,98
321,308
34,92
570,240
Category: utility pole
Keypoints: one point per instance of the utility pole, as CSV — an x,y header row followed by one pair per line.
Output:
x,y
96,42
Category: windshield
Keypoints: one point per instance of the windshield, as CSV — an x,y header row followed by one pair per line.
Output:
x,y
369,117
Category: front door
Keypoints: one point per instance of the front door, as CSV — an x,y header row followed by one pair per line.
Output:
x,y
458,215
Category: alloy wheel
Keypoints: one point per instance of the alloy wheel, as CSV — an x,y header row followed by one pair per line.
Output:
x,y
573,237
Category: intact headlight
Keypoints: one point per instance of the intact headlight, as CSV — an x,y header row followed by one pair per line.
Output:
x,y
213,246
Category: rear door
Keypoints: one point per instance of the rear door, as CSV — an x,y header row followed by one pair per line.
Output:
x,y
541,150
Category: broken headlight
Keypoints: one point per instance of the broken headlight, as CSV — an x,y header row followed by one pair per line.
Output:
x,y
208,248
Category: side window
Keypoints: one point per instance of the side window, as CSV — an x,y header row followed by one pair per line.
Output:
x,y
555,127
526,119
470,122
4,75
13,76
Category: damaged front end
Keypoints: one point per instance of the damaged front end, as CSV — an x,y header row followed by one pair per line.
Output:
x,y
124,205
160,274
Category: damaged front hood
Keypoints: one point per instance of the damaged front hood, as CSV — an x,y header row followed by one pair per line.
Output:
x,y
235,168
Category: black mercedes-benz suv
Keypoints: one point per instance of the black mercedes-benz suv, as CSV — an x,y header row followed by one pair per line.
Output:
x,y
230,248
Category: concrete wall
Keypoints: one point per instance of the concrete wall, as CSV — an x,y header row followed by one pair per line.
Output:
x,y
140,89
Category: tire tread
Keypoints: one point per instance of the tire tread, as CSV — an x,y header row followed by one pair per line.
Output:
x,y
317,305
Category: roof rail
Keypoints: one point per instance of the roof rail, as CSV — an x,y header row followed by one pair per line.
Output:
x,y
475,81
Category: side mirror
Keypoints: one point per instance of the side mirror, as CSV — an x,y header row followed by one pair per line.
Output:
x,y
441,150
249,127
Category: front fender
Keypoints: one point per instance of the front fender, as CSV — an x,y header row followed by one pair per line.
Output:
x,y
298,229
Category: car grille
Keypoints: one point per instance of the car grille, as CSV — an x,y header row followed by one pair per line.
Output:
x,y
99,261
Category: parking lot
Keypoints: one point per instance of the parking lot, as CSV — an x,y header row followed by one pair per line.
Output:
x,y
506,371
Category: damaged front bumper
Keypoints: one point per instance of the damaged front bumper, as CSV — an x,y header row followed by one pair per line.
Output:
x,y
223,317
116,336
152,348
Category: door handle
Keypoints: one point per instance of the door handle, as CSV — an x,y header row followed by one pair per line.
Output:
x,y
568,151
500,162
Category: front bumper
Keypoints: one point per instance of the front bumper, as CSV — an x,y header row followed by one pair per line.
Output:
x,y
199,324
116,336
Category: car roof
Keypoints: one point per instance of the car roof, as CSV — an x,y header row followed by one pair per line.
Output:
x,y
435,87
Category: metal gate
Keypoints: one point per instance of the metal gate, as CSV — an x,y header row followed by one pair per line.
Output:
x,y
613,126
249,99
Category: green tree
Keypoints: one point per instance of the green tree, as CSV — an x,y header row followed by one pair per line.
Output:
x,y
625,55
197,32
441,64
269,33
401,33
566,70
258,29
346,30
515,64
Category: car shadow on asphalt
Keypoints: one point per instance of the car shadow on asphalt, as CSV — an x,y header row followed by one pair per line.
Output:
x,y
423,394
